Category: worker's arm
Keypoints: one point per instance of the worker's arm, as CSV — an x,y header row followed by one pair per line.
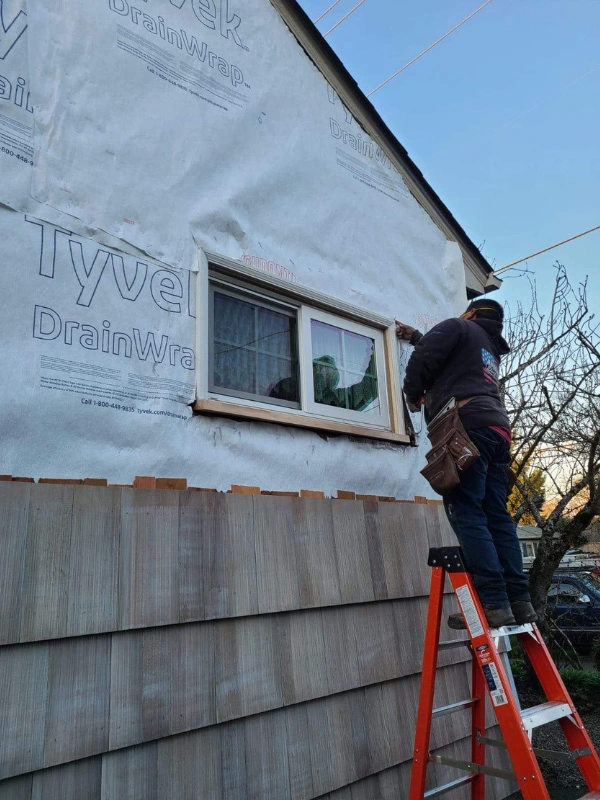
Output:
x,y
430,356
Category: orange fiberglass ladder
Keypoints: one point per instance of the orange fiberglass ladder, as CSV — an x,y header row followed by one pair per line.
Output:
x,y
489,673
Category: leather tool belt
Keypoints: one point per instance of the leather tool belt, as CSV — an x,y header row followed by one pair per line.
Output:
x,y
452,451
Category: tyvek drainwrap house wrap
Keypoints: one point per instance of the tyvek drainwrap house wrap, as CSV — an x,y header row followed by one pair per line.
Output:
x,y
157,128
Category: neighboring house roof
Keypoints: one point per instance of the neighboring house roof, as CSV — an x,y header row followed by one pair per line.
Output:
x,y
478,270
591,533
529,532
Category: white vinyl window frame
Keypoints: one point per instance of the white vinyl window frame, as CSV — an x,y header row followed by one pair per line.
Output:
x,y
379,417
240,278
260,302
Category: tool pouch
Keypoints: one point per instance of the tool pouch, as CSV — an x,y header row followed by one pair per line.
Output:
x,y
451,452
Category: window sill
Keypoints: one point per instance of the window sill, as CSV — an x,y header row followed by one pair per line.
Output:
x,y
222,408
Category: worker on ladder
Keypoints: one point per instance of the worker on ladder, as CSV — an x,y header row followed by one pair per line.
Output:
x,y
459,360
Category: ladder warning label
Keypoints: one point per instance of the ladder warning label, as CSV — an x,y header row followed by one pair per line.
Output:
x,y
495,685
471,616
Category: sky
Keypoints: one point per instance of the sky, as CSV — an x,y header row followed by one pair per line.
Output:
x,y
502,118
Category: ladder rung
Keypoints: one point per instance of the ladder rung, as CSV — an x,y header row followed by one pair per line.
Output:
x,y
472,767
448,787
543,714
454,643
550,755
560,755
450,709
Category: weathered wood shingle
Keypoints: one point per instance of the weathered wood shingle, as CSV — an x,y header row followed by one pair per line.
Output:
x,y
190,644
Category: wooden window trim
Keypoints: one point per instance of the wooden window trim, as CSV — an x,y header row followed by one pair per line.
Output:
x,y
236,410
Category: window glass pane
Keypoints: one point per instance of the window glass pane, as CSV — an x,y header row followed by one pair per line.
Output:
x,y
234,369
254,349
344,368
276,378
233,320
274,333
564,593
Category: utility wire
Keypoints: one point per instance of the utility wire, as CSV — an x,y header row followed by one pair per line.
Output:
x,y
427,49
352,10
545,250
540,102
324,14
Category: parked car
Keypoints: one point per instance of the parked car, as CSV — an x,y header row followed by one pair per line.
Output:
x,y
574,604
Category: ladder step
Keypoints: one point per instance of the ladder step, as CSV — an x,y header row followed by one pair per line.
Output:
x,y
591,796
511,630
543,714
450,709
447,787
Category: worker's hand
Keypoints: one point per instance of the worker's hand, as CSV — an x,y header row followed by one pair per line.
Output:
x,y
415,407
404,332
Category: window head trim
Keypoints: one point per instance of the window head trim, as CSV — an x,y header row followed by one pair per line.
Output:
x,y
220,266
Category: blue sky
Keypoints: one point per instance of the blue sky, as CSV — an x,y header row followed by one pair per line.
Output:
x,y
502,118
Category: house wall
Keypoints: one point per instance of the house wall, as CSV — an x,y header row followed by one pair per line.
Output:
x,y
135,175
160,644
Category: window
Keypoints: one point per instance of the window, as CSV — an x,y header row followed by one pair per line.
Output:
x,y
254,353
344,367
528,549
295,359
564,593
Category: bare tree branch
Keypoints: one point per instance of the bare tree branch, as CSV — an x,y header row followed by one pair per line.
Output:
x,y
551,391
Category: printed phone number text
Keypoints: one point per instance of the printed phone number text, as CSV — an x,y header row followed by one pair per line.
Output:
x,y
16,155
104,404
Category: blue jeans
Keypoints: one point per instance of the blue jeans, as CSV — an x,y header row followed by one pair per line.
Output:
x,y
484,528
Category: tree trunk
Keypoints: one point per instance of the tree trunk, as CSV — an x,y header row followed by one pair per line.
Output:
x,y
550,554
540,577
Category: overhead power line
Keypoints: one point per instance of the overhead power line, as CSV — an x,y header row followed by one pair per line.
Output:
x,y
427,49
327,10
545,250
544,98
352,10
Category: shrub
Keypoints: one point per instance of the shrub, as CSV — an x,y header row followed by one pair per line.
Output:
x,y
584,688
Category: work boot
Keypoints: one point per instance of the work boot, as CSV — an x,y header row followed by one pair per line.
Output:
x,y
496,617
524,612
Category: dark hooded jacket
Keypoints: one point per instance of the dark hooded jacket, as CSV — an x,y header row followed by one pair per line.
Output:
x,y
459,358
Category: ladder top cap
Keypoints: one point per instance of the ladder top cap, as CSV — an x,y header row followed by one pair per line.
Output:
x,y
449,558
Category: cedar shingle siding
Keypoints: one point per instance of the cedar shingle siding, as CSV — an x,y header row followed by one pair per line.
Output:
x,y
174,645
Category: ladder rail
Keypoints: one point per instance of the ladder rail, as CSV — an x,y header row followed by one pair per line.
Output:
x,y
478,687
428,675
